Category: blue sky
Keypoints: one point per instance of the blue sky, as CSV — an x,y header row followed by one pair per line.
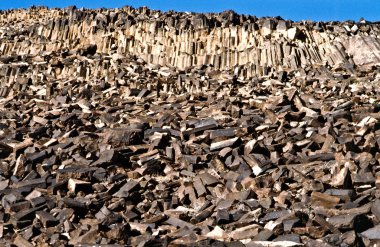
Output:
x,y
288,9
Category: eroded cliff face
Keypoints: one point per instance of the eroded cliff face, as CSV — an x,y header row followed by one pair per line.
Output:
x,y
246,44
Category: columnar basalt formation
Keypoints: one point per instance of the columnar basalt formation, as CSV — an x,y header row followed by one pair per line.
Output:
x,y
225,41
133,127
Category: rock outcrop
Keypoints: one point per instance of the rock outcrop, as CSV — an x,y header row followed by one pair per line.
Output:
x,y
250,45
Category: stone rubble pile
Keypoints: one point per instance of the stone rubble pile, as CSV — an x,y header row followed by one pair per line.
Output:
x,y
134,127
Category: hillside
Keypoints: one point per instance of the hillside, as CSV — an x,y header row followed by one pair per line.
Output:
x,y
134,127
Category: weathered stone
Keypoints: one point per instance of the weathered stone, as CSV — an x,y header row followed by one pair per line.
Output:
x,y
136,127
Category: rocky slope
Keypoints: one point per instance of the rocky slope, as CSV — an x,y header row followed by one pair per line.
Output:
x,y
133,127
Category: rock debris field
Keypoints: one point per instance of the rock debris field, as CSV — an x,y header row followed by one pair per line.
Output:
x,y
134,127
